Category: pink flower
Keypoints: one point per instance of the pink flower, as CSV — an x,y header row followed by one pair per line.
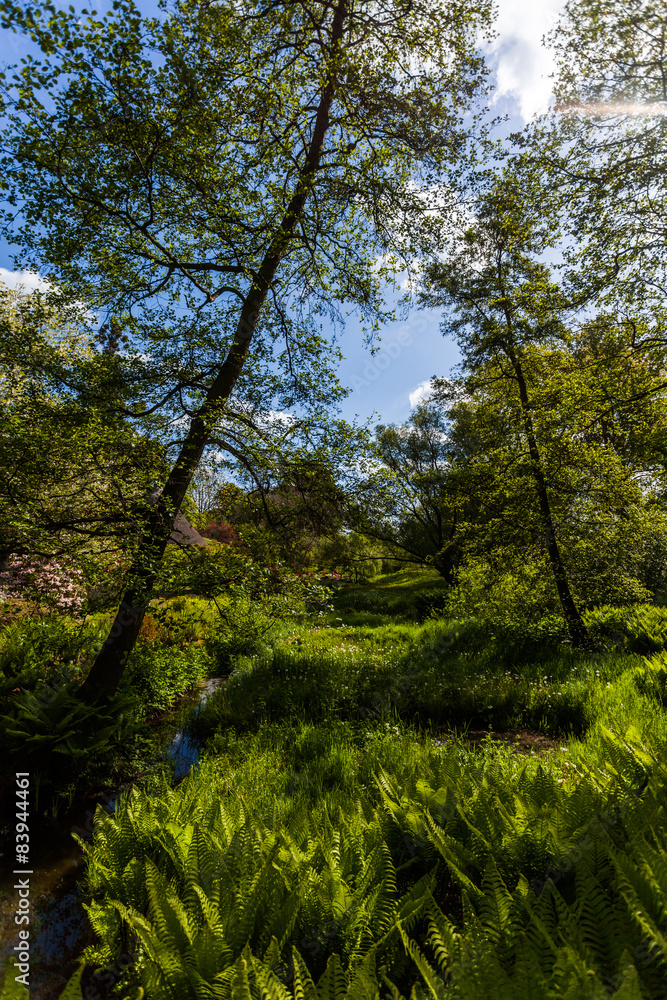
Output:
x,y
44,579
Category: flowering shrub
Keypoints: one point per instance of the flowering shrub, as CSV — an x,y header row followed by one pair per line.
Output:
x,y
43,580
220,531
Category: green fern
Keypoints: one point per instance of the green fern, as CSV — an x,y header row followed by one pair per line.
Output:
x,y
563,889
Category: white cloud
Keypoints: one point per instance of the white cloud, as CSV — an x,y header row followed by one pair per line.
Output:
x,y
272,417
522,64
421,393
29,281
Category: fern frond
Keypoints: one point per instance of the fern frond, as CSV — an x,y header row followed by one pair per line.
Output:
x,y
332,984
304,987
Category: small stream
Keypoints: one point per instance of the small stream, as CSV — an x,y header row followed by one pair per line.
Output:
x,y
59,927
182,751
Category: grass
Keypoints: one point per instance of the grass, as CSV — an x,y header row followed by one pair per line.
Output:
x,y
443,674
408,596
428,672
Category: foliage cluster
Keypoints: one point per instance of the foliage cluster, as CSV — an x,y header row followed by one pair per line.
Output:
x,y
319,819
63,742
67,745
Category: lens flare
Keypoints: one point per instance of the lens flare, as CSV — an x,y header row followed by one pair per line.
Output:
x,y
606,108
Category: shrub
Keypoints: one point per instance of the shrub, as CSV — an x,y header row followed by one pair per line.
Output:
x,y
641,629
427,605
152,630
518,591
159,674
283,684
247,624
651,677
220,531
35,649
54,582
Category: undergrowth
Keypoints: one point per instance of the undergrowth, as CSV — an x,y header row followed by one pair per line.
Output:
x,y
448,875
338,838
448,674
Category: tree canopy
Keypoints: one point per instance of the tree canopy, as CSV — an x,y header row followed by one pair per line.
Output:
x,y
403,498
74,470
604,145
541,424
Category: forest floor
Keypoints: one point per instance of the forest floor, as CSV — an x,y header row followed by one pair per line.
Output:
x,y
463,809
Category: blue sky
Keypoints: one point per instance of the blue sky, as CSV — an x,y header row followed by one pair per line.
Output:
x,y
389,383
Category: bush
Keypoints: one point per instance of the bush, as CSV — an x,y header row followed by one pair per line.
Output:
x,y
641,629
57,583
177,622
246,624
275,684
219,531
518,591
33,650
159,674
651,677
427,605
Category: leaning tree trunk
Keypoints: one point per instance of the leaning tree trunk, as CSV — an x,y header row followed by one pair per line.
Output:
x,y
575,623
107,669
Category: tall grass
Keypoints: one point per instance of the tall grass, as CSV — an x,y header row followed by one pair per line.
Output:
x,y
445,674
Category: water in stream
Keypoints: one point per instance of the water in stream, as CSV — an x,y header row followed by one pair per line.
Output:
x,y
59,927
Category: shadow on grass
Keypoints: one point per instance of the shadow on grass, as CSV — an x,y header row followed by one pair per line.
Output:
x,y
479,674
409,596
428,686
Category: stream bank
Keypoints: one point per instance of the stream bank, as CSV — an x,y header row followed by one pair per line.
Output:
x,y
59,928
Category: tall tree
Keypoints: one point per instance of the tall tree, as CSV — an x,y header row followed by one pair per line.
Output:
x,y
502,303
568,407
73,469
252,159
599,415
406,501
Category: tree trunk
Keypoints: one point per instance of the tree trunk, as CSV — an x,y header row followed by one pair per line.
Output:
x,y
444,562
575,624
107,669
